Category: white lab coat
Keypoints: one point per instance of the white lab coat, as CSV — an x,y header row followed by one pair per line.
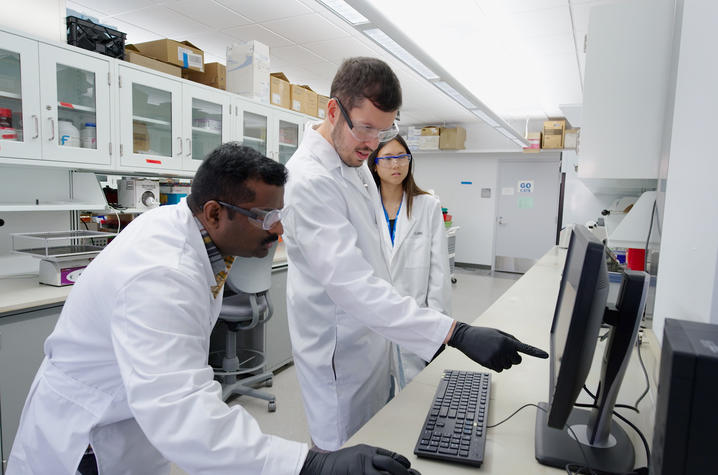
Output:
x,y
341,307
126,368
419,265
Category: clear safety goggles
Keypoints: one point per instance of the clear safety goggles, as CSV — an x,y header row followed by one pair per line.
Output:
x,y
265,219
388,161
365,133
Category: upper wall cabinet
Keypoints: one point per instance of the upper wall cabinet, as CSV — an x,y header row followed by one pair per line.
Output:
x,y
626,86
206,119
57,102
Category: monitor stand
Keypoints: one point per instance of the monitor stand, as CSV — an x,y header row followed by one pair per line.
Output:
x,y
557,447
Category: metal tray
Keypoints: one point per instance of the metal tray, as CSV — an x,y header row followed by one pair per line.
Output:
x,y
60,244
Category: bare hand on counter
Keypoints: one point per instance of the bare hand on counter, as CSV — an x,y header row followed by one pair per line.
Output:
x,y
490,347
357,460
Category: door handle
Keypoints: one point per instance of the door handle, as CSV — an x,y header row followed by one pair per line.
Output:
x,y
37,126
52,127
501,220
179,144
189,147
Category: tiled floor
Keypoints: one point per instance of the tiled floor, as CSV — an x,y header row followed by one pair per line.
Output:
x,y
474,291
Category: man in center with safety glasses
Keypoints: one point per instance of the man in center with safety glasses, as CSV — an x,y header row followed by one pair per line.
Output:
x,y
343,311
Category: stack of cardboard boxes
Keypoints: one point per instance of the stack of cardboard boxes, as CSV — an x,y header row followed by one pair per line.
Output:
x,y
296,97
557,135
167,56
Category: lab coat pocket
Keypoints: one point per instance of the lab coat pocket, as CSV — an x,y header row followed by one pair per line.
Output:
x,y
416,251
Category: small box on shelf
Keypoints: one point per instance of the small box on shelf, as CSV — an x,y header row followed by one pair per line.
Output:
x,y
429,139
534,139
180,53
304,100
132,55
452,138
553,133
214,74
279,90
248,70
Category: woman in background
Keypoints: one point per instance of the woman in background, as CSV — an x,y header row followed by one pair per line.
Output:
x,y
414,242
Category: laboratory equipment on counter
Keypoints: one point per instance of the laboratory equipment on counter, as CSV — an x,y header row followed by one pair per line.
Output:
x,y
137,193
64,254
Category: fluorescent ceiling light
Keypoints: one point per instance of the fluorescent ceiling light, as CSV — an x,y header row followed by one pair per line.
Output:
x,y
485,117
393,47
454,94
345,11
506,133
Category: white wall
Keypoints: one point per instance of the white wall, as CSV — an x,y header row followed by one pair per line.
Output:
x,y
686,287
41,18
444,172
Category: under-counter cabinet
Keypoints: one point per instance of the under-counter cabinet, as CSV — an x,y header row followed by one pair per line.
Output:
x,y
59,102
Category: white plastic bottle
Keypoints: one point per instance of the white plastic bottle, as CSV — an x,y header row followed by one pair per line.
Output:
x,y
88,135
68,134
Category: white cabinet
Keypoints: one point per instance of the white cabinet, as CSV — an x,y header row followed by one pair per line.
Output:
x,y
626,89
273,132
20,96
206,122
288,135
75,95
150,121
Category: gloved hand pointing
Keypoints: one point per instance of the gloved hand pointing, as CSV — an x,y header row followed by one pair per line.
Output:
x,y
357,460
490,347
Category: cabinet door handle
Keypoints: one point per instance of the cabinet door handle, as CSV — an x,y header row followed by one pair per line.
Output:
x,y
179,144
37,127
189,147
52,127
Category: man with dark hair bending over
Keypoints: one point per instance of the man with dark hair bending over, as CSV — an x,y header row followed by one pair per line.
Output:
x,y
125,386
342,309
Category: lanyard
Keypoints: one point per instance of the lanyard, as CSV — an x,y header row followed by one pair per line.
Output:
x,y
392,230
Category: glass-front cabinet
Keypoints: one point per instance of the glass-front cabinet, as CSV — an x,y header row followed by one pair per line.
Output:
x,y
75,98
19,98
206,122
288,135
255,128
150,121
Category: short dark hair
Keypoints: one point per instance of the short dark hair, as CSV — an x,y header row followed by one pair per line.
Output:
x,y
225,171
367,78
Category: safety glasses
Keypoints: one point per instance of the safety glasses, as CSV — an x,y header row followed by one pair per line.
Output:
x,y
402,160
265,219
367,134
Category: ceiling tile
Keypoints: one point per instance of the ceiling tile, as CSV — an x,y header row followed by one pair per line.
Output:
x,y
266,10
135,34
340,48
306,28
296,55
542,22
208,13
551,44
164,22
114,7
259,33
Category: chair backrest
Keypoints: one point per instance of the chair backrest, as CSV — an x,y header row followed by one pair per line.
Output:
x,y
251,275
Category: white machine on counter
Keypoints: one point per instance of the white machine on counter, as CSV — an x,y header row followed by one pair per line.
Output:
x,y
138,193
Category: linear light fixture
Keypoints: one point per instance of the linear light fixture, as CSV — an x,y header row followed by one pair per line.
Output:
x,y
383,40
389,37
343,10
454,94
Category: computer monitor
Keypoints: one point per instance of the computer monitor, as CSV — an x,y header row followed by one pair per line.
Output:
x,y
593,438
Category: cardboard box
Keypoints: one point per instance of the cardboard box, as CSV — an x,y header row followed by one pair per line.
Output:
x,y
570,138
534,139
322,102
215,75
140,137
132,55
429,139
180,53
304,100
553,133
248,70
280,93
452,138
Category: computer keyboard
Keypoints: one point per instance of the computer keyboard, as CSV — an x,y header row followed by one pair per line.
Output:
x,y
455,427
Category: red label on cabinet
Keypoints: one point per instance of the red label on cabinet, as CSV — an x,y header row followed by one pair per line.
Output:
x,y
157,162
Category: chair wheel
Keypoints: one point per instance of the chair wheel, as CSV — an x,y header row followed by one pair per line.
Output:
x,y
272,406
453,280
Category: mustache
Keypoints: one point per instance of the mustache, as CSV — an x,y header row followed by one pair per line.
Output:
x,y
270,238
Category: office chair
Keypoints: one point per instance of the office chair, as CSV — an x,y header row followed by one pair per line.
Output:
x,y
246,305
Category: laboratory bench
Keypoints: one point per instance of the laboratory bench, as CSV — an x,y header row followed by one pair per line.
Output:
x,y
526,311
28,314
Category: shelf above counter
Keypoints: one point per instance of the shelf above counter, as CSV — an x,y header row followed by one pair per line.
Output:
x,y
10,95
75,107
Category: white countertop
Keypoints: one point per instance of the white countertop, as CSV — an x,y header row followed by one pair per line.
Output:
x,y
21,293
526,311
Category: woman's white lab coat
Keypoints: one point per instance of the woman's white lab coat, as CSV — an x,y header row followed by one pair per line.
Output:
x,y
419,265
340,304
126,368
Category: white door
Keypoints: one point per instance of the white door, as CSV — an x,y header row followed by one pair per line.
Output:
x,y
255,130
289,135
527,212
19,97
206,123
150,121
75,98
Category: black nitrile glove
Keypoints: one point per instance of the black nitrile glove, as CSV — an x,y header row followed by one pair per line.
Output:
x,y
357,460
491,347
